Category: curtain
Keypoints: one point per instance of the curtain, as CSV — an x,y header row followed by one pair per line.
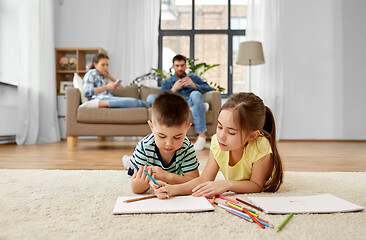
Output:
x,y
264,25
134,37
37,112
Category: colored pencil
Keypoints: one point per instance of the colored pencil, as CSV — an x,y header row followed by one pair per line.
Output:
x,y
141,198
254,218
238,215
249,210
152,179
134,164
250,205
240,208
228,208
213,199
228,199
264,222
284,222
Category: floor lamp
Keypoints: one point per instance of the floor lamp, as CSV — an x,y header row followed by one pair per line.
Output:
x,y
250,53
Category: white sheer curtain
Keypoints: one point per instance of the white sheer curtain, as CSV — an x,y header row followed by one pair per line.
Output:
x,y
134,37
37,116
264,25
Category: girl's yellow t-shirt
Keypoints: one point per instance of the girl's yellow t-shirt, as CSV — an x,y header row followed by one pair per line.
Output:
x,y
243,169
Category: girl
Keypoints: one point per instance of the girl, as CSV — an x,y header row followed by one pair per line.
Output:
x,y
98,89
244,149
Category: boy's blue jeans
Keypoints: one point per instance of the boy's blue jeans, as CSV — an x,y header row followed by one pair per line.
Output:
x,y
195,101
124,102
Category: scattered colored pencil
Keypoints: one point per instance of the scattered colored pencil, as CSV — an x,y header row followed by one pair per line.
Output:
x,y
254,218
244,215
228,199
241,209
152,179
141,198
250,205
238,215
284,222
213,199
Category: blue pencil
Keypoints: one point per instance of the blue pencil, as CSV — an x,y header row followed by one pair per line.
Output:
x,y
152,179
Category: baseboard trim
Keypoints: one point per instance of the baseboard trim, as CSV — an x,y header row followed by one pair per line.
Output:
x,y
320,140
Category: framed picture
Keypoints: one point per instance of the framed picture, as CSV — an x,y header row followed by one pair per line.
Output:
x,y
64,85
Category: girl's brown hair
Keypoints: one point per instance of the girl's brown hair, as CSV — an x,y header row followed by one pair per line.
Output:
x,y
251,114
97,57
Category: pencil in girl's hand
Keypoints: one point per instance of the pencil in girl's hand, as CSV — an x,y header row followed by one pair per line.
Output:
x,y
213,199
284,222
250,205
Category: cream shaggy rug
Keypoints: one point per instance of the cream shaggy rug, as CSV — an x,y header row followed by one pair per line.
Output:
x,y
58,204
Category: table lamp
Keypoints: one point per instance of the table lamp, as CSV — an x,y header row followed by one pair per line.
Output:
x,y
250,53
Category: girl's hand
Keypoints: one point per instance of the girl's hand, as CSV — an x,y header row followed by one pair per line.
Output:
x,y
164,191
140,177
111,86
210,188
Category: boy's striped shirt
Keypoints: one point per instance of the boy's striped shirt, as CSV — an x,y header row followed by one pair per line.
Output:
x,y
147,153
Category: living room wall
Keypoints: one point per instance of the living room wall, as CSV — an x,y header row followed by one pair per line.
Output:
x,y
323,64
324,76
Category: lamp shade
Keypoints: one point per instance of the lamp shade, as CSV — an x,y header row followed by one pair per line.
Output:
x,y
250,53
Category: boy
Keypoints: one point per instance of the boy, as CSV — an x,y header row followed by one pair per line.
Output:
x,y
166,153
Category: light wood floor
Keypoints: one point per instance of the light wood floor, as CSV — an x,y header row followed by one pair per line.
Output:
x,y
313,156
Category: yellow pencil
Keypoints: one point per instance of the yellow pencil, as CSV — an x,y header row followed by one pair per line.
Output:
x,y
213,199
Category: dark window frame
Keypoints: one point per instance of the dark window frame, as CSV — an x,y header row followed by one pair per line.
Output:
x,y
191,34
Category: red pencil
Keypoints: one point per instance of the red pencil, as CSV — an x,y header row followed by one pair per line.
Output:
x,y
228,199
254,218
250,205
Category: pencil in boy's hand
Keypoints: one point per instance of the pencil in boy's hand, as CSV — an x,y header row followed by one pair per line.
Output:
x,y
284,222
152,179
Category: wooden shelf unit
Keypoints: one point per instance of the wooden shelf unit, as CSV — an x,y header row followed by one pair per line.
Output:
x,y
83,57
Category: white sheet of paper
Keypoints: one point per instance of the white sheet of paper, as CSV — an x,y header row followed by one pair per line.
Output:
x,y
155,205
322,203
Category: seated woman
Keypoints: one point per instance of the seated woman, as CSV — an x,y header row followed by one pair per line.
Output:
x,y
98,86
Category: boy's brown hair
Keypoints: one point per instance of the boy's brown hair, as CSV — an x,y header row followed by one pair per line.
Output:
x,y
170,109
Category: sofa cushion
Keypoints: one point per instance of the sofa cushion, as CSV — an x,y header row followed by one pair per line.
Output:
x,y
129,91
78,83
209,116
112,115
146,91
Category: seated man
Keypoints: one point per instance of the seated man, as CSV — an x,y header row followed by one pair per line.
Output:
x,y
191,88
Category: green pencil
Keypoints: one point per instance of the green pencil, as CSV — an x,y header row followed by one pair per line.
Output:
x,y
284,222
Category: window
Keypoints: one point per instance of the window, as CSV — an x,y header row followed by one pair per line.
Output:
x,y
9,41
209,31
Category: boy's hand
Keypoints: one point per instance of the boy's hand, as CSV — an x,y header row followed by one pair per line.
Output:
x,y
210,188
159,173
164,191
139,178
